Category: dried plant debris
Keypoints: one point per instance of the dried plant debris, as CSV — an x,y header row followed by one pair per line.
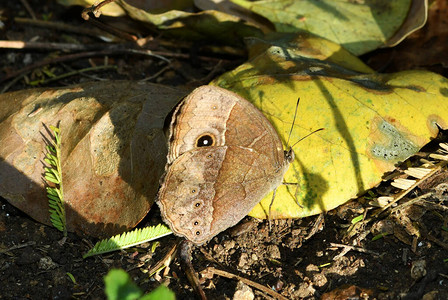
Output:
x,y
401,214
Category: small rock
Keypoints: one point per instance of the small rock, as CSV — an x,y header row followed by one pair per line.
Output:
x,y
278,286
348,292
274,251
296,232
27,59
243,260
418,269
229,244
433,295
243,292
46,263
383,227
319,279
312,268
218,249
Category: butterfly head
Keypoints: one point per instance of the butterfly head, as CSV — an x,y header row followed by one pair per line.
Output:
x,y
289,155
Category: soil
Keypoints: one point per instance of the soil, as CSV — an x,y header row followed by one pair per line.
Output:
x,y
312,258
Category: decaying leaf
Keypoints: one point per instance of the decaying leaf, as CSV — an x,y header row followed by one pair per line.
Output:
x,y
114,10
371,121
210,24
113,151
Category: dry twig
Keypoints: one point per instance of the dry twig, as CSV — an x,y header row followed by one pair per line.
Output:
x,y
246,281
347,248
29,9
31,243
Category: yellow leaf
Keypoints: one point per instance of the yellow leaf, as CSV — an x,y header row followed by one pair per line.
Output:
x,y
371,121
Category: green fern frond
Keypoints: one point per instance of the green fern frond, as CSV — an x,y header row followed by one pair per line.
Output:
x,y
53,174
129,239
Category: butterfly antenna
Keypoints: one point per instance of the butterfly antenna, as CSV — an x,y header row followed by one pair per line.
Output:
x,y
307,136
293,121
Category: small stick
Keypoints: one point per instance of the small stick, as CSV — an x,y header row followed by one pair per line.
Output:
x,y
28,9
246,281
157,74
405,192
11,83
56,25
114,31
165,261
49,46
319,221
31,243
74,72
440,243
359,249
106,50
77,47
68,57
410,202
185,260
94,9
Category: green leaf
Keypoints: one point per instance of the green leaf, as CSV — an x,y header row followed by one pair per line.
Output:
x,y
357,219
52,157
54,198
55,219
72,278
50,149
129,239
50,161
51,178
54,129
53,174
161,292
324,265
52,191
379,236
359,26
54,206
57,139
119,286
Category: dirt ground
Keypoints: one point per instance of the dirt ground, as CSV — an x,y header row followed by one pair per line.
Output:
x,y
311,258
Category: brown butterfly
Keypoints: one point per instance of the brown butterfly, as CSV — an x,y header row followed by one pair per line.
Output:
x,y
224,156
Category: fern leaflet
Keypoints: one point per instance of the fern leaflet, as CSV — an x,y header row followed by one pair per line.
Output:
x,y
129,239
53,174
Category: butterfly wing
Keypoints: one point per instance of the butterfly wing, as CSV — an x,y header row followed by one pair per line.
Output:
x,y
225,116
209,189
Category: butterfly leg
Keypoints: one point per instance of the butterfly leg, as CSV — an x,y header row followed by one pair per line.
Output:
x,y
270,206
295,193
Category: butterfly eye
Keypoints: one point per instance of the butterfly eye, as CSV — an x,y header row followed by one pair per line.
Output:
x,y
205,140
